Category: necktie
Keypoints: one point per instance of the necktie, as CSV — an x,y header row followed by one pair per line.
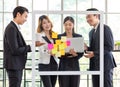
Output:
x,y
93,34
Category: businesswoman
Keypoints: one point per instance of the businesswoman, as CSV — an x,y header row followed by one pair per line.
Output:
x,y
69,62
47,62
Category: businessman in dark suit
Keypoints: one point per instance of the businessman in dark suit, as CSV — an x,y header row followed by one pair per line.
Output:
x,y
15,48
94,50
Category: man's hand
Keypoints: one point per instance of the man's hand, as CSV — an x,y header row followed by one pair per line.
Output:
x,y
85,46
89,54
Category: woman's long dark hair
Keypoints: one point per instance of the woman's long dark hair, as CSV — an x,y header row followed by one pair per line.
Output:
x,y
70,19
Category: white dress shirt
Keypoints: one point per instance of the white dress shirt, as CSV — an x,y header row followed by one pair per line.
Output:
x,y
18,26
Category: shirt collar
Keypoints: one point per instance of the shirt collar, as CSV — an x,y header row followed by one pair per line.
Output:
x,y
18,26
96,26
43,33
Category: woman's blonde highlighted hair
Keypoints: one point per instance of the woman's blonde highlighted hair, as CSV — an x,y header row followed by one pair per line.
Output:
x,y
40,28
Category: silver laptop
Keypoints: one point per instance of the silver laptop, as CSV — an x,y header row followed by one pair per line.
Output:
x,y
76,43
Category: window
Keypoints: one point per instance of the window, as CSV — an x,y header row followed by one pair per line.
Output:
x,y
9,6
113,6
111,17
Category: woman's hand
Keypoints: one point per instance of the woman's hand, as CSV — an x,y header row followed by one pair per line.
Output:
x,y
38,43
71,51
50,52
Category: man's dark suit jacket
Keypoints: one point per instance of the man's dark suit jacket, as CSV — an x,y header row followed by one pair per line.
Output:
x,y
15,48
94,38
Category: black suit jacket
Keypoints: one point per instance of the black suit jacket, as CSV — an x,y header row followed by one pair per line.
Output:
x,y
15,48
94,38
69,64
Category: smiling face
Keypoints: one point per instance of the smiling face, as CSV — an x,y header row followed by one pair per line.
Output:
x,y
68,25
92,19
46,25
21,18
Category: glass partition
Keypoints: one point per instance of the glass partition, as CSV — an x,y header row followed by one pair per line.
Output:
x,y
72,72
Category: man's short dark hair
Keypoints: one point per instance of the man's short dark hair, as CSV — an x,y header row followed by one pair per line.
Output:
x,y
92,9
19,9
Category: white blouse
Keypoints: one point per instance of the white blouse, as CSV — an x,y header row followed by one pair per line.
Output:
x,y
43,50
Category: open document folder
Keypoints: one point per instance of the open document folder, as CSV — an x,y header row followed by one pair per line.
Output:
x,y
76,43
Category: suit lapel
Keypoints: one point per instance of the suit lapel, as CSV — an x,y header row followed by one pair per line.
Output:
x,y
46,39
91,35
21,39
